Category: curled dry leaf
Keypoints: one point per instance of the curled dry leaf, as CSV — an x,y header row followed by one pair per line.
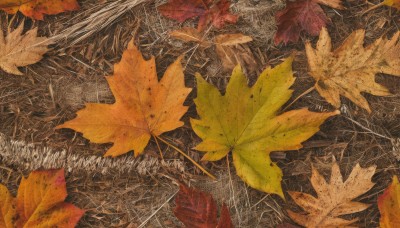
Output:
x,y
143,107
39,202
302,16
389,205
17,49
350,69
209,11
248,122
188,34
197,209
36,9
333,199
230,48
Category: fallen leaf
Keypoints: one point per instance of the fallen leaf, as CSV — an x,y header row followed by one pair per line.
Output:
x,y
302,16
389,205
188,34
17,49
195,208
231,51
39,202
208,11
247,122
351,68
36,9
230,48
333,199
143,106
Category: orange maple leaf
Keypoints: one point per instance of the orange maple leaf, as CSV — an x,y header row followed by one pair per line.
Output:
x,y
389,205
143,106
36,9
39,202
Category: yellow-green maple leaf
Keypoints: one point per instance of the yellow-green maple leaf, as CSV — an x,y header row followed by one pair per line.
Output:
x,y
246,121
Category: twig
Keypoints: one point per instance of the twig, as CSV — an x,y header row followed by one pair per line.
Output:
x,y
154,213
186,156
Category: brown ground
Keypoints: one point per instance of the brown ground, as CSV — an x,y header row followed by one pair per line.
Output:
x,y
73,73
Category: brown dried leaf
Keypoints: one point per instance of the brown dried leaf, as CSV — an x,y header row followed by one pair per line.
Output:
x,y
334,198
350,69
17,49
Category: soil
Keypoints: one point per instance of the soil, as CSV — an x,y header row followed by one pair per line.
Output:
x,y
129,192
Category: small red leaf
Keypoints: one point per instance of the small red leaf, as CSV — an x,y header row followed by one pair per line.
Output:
x,y
208,11
198,209
299,16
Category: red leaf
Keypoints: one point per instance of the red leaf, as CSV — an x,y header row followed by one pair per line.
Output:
x,y
207,10
299,16
198,209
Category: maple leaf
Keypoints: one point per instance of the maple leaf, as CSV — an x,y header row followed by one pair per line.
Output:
x,y
246,121
39,202
208,11
143,106
333,199
230,48
197,209
351,68
389,205
17,49
36,9
302,15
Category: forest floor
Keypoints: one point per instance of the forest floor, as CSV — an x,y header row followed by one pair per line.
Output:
x,y
72,74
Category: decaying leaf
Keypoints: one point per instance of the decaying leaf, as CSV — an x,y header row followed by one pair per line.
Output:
x,y
389,205
188,34
17,49
247,122
230,48
36,9
143,105
215,12
333,199
302,16
351,68
197,209
39,202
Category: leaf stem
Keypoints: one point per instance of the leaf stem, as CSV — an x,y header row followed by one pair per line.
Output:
x,y
158,146
300,96
186,156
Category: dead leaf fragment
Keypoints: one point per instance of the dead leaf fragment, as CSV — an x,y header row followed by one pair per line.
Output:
x,y
17,49
302,16
188,34
36,9
143,107
389,205
39,202
333,199
197,209
231,49
209,11
350,69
